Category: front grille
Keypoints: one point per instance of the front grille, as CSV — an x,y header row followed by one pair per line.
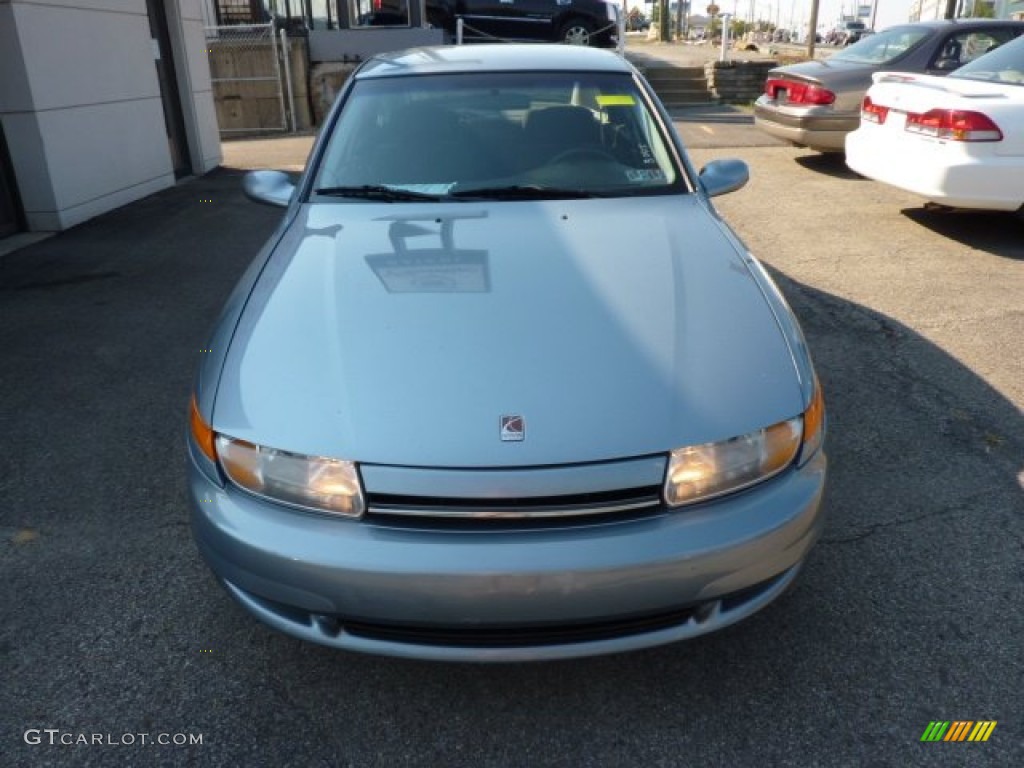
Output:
x,y
519,636
524,636
624,501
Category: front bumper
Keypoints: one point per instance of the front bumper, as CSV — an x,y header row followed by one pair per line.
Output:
x,y
819,128
509,593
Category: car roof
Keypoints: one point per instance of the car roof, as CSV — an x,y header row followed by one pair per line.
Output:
x,y
513,57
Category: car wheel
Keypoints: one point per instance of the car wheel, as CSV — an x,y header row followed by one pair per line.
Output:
x,y
576,32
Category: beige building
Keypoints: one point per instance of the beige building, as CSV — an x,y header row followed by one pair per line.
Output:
x,y
927,10
102,102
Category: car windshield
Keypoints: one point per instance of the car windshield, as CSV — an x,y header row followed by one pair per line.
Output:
x,y
517,136
883,47
1004,64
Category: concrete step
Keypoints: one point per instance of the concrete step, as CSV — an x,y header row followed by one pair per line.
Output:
x,y
673,73
676,99
686,99
679,86
695,101
689,84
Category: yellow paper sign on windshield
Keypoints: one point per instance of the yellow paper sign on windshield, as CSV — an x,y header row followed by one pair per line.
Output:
x,y
615,100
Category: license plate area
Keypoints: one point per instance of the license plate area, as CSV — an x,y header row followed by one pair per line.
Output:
x,y
896,120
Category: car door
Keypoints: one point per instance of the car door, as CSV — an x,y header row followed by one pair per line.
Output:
x,y
509,19
538,17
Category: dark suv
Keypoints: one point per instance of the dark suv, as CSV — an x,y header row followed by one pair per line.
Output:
x,y
581,22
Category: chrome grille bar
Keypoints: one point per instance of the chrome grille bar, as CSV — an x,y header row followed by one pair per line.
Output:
x,y
526,511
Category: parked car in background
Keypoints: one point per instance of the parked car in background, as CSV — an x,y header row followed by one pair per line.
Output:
x,y
503,385
637,22
957,141
577,22
816,103
851,32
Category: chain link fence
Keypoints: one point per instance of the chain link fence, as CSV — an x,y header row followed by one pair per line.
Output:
x,y
246,73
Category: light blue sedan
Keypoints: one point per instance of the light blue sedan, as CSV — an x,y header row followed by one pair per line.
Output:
x,y
503,386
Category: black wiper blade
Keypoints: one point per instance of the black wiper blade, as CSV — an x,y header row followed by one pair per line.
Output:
x,y
377,192
523,192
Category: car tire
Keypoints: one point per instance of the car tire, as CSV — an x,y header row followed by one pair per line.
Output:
x,y
576,31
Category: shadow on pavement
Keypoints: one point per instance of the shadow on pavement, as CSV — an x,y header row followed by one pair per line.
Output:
x,y
905,613
995,232
829,164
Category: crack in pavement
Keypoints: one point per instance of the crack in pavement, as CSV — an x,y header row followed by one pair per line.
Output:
x,y
871,530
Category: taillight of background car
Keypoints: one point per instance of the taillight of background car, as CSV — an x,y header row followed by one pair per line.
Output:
x,y
950,124
797,92
955,125
873,113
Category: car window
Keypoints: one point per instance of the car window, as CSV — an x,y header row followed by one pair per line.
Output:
x,y
450,134
964,47
1004,64
884,46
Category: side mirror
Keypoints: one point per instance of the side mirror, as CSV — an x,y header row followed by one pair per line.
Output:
x,y
270,187
720,177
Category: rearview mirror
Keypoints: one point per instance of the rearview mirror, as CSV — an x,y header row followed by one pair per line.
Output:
x,y
720,177
270,187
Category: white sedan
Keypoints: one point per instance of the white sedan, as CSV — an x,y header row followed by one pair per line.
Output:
x,y
957,140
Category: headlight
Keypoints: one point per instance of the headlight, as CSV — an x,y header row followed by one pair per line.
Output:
x,y
699,472
311,482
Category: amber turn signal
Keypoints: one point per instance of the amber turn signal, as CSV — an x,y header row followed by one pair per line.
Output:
x,y
201,432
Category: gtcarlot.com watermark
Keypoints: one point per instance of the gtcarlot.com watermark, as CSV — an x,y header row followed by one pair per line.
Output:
x,y
57,737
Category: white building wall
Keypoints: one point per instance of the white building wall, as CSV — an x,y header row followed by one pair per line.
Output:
x,y
932,9
81,108
186,18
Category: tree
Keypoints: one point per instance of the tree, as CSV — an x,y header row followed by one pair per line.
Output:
x,y
981,10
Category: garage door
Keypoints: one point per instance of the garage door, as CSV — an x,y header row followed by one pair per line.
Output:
x,y
10,220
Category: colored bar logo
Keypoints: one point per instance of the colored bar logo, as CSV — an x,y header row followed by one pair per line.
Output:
x,y
959,730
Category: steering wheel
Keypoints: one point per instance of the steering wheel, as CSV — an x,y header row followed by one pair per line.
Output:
x,y
582,153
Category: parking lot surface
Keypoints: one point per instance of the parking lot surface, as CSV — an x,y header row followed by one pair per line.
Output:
x,y
908,610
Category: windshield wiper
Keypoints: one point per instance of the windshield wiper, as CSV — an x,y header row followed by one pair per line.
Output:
x,y
377,192
523,192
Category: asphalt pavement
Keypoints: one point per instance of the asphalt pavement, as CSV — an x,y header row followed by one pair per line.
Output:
x,y
114,635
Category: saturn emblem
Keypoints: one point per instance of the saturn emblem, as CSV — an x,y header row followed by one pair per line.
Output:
x,y
513,429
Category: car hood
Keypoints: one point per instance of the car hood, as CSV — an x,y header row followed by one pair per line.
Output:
x,y
401,334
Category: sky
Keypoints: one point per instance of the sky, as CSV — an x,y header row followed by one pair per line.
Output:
x,y
889,11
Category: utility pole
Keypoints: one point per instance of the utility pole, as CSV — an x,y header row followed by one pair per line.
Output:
x,y
950,9
812,31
